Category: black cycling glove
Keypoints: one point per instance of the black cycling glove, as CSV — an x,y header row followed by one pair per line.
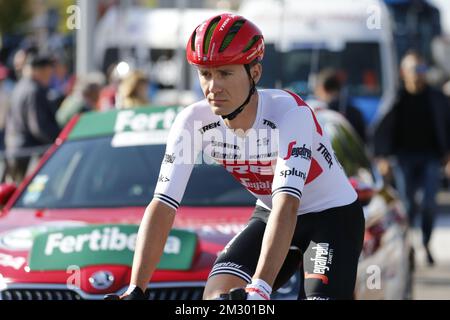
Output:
x,y
136,294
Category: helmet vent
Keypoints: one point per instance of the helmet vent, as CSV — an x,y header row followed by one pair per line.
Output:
x,y
193,40
209,32
231,33
251,43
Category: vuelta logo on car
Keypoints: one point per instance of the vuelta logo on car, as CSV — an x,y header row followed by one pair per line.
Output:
x,y
322,260
303,152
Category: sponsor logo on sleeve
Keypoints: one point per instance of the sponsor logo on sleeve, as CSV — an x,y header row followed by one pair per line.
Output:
x,y
302,152
326,154
293,172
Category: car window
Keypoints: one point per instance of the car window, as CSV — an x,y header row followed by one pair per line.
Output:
x,y
92,173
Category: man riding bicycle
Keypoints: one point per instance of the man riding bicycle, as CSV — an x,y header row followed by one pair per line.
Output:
x,y
271,142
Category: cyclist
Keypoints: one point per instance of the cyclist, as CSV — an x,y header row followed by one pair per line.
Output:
x,y
271,142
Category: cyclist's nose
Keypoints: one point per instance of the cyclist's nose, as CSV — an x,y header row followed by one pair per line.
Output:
x,y
214,86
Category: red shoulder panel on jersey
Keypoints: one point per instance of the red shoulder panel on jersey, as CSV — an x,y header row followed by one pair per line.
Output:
x,y
302,103
314,171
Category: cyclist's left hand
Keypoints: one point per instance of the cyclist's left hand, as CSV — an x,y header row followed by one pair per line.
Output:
x,y
258,290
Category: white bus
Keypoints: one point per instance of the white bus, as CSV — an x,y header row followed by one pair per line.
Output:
x,y
352,36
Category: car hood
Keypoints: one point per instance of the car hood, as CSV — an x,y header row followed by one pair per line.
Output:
x,y
77,246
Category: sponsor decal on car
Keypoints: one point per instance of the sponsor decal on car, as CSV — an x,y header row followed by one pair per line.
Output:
x,y
21,239
140,126
7,260
106,244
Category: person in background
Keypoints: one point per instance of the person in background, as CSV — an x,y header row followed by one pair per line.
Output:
x,y
328,90
5,93
415,134
83,98
31,118
60,82
108,94
133,90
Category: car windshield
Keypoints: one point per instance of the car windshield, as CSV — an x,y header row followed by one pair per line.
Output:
x,y
358,64
91,173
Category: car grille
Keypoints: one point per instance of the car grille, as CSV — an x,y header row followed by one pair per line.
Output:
x,y
39,294
180,293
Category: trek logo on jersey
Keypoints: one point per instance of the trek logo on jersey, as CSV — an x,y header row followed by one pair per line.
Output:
x,y
209,127
322,260
326,154
293,172
269,123
303,152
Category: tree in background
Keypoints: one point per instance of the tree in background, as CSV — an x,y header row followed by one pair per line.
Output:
x,y
13,15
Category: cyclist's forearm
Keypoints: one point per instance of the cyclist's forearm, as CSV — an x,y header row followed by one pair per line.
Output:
x,y
277,238
153,232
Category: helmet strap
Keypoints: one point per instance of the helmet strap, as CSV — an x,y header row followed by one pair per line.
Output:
x,y
252,90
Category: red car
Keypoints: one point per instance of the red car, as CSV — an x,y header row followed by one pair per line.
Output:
x,y
68,232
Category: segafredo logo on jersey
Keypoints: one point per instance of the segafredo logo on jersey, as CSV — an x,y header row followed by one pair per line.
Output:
x,y
131,120
302,152
322,262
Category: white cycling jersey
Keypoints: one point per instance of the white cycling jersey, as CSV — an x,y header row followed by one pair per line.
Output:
x,y
285,151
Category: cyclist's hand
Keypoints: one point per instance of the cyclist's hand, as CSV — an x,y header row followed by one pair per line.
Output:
x,y
133,293
258,290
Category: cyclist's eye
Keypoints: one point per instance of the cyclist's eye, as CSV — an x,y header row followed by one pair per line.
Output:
x,y
225,73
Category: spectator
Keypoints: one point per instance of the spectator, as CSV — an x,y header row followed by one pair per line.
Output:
x,y
31,117
4,103
84,98
21,68
59,84
107,99
415,132
133,90
328,90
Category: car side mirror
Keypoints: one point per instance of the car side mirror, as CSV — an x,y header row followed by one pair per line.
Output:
x,y
6,191
365,192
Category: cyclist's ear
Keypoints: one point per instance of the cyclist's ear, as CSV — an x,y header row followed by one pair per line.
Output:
x,y
256,72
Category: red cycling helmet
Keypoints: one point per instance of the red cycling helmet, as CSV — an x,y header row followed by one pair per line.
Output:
x,y
225,39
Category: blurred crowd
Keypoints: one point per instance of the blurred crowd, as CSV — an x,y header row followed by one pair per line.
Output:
x,y
39,96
